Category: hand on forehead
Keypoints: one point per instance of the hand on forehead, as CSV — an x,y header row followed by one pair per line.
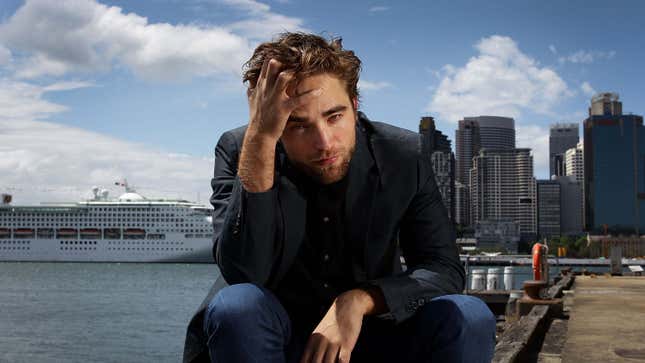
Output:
x,y
329,89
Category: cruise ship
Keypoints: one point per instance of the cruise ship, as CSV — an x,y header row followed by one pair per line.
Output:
x,y
130,228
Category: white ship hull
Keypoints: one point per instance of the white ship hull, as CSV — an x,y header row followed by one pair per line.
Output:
x,y
181,250
129,229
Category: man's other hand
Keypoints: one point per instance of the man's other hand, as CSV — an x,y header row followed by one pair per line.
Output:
x,y
335,336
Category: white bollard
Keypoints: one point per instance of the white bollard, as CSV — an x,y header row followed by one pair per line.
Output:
x,y
494,280
478,280
509,277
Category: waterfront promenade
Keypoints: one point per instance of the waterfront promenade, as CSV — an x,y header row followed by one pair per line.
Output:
x,y
607,321
526,260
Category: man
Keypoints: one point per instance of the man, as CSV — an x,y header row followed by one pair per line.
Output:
x,y
313,203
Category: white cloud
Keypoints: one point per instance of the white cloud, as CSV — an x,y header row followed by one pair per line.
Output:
x,y
21,100
364,85
586,57
67,86
501,80
43,161
251,6
265,25
553,49
587,89
77,36
5,55
537,139
377,9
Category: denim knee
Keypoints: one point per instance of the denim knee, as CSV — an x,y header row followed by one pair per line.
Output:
x,y
243,308
468,311
467,322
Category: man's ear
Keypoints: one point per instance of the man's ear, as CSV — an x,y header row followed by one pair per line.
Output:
x,y
355,103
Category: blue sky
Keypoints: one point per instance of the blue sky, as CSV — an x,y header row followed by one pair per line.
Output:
x,y
95,91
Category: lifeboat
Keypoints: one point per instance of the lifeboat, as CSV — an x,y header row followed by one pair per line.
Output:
x,y
45,233
5,233
66,233
134,233
24,233
112,233
90,233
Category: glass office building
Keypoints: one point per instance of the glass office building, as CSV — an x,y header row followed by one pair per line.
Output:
x,y
614,168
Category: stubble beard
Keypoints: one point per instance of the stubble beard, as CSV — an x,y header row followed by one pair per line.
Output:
x,y
332,173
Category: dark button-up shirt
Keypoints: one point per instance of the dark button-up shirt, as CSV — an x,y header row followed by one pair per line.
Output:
x,y
322,269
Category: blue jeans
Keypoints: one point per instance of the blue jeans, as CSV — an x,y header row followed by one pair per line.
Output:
x,y
247,323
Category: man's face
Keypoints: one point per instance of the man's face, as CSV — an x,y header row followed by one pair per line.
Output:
x,y
320,136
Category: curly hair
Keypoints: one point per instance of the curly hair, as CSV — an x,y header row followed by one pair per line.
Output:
x,y
307,55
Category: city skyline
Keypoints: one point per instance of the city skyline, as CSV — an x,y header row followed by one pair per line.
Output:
x,y
92,91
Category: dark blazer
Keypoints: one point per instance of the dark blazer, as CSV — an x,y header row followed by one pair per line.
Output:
x,y
392,204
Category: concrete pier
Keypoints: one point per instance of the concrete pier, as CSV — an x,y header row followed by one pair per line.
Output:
x,y
607,321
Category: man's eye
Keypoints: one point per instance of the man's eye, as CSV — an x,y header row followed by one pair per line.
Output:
x,y
298,127
336,117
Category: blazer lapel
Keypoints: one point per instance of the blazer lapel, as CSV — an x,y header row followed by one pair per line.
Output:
x,y
293,209
361,190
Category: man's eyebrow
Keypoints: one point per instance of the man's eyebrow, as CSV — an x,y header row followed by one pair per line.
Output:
x,y
329,112
296,119
334,109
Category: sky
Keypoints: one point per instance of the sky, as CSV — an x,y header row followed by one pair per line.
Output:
x,y
92,92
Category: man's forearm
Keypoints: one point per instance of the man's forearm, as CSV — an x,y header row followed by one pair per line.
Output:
x,y
370,300
257,162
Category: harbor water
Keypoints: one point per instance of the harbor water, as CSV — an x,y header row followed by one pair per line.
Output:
x,y
114,312
98,312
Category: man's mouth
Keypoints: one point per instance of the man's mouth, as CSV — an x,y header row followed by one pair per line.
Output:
x,y
326,161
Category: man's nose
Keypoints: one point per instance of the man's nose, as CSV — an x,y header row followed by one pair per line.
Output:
x,y
323,138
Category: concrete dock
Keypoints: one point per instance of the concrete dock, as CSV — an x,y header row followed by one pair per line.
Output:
x,y
607,320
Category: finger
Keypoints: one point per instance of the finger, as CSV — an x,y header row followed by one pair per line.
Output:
x,y
282,81
309,348
344,355
272,73
297,101
332,353
263,74
321,348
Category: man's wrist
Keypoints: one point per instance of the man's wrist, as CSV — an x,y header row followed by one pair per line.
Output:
x,y
256,165
369,300
254,135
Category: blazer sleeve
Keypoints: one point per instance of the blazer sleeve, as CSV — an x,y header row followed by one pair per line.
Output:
x,y
245,232
427,241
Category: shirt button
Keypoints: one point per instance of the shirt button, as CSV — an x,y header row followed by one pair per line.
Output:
x,y
325,219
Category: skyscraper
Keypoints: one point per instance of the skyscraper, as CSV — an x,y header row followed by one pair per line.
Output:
x,y
467,145
614,167
573,216
548,208
482,132
573,159
571,205
462,204
561,138
473,135
495,132
502,186
437,145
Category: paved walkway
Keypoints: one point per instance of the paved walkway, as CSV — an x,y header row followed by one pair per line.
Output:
x,y
607,321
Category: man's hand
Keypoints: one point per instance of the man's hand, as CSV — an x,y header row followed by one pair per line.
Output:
x,y
269,108
335,336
